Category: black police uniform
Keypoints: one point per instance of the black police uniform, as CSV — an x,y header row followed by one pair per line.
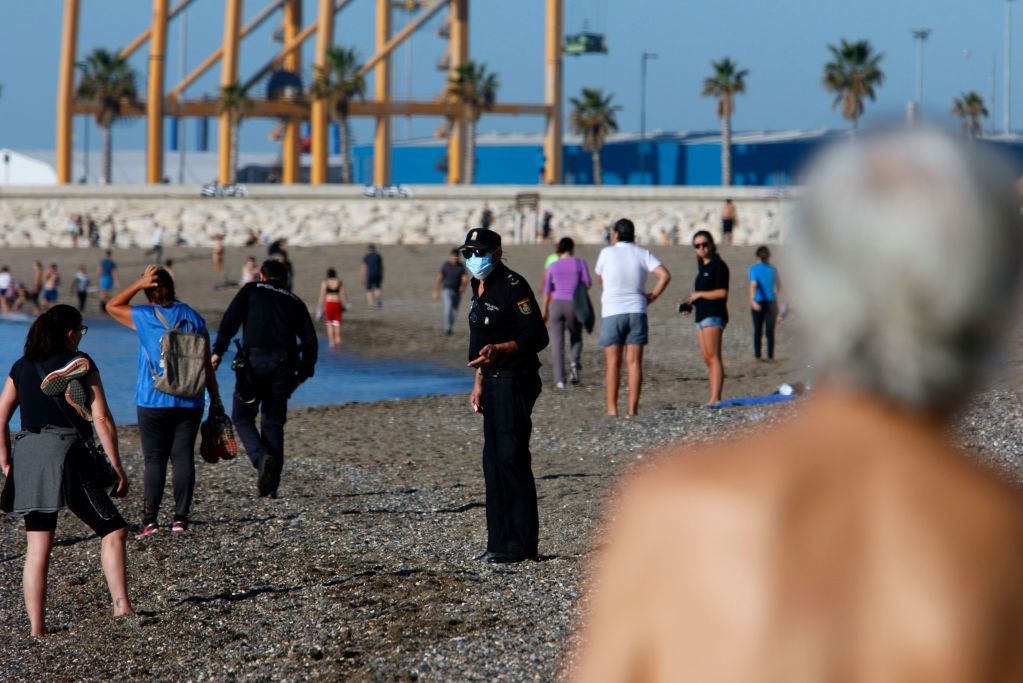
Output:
x,y
278,353
507,311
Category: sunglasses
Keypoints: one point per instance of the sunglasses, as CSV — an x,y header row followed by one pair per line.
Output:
x,y
468,252
701,245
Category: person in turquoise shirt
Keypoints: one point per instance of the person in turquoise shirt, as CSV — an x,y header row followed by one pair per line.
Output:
x,y
764,285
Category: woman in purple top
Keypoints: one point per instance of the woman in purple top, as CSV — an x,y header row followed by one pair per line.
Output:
x,y
559,284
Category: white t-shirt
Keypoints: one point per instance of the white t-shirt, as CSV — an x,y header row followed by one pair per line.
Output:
x,y
5,282
623,267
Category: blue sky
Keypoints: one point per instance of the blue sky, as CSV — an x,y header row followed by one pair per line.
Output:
x,y
782,42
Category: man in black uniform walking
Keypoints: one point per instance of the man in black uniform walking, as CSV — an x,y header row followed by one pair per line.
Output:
x,y
278,353
506,331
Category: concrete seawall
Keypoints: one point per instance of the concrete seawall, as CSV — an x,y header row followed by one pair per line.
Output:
x,y
420,214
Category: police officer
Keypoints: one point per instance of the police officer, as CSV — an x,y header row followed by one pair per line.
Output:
x,y
506,331
278,353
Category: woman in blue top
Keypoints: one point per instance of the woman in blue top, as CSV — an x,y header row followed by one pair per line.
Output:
x,y
168,425
764,285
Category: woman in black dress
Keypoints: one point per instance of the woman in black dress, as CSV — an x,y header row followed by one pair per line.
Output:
x,y
59,392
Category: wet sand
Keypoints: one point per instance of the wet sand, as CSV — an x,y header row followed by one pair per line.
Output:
x,y
363,569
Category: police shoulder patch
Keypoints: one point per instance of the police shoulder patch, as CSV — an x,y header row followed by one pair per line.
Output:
x,y
524,306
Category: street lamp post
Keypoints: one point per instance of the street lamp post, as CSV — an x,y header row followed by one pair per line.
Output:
x,y
920,35
642,108
1007,70
180,121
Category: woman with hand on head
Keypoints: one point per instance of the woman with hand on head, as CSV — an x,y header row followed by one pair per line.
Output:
x,y
709,304
168,424
58,389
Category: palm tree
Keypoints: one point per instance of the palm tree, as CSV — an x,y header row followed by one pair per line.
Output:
x,y
853,74
107,82
474,88
727,82
235,102
969,107
339,82
593,117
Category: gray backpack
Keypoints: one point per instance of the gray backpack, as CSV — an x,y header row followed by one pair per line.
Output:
x,y
183,353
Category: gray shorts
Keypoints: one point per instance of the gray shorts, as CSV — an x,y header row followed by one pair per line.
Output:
x,y
625,328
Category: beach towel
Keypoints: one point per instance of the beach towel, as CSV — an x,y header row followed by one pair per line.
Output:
x,y
753,401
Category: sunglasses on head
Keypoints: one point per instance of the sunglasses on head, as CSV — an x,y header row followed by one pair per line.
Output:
x,y
467,252
701,245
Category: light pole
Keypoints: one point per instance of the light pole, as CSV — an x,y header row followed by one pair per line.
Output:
x,y
1007,70
85,150
180,122
642,108
920,35
409,7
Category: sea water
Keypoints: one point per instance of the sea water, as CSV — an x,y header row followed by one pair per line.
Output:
x,y
341,376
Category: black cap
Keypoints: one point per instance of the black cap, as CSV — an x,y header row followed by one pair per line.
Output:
x,y
482,238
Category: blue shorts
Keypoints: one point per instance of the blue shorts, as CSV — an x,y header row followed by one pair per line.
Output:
x,y
712,321
624,328
50,294
374,282
106,282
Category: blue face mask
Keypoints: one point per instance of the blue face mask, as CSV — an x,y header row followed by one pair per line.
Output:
x,y
480,266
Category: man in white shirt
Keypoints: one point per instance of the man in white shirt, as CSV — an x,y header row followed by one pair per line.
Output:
x,y
157,249
622,270
5,290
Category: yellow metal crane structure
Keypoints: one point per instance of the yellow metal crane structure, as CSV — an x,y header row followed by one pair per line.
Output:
x,y
160,102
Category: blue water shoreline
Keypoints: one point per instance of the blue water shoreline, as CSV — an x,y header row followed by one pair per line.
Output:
x,y
341,376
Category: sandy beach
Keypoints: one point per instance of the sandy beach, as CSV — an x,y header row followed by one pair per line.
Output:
x,y
363,569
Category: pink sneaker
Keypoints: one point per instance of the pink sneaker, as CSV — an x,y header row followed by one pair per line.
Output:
x,y
144,530
179,527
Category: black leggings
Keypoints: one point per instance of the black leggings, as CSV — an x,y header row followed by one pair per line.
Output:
x,y
767,316
84,497
168,434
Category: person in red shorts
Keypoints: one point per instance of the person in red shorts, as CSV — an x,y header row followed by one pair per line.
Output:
x,y
333,300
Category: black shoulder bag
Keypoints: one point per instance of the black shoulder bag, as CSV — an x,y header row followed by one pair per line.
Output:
x,y
96,459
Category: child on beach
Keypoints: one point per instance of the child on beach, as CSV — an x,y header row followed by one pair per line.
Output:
x,y
81,286
250,271
51,281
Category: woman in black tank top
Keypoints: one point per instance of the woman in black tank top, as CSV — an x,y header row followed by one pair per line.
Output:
x,y
59,391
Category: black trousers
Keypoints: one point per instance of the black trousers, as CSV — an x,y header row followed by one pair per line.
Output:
x,y
512,518
262,388
168,434
764,319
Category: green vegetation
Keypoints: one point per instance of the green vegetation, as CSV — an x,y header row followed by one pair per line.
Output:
x,y
108,83
235,102
853,75
727,81
475,88
339,83
593,117
970,109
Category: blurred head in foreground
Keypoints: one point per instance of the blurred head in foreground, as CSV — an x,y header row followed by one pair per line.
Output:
x,y
906,256
851,542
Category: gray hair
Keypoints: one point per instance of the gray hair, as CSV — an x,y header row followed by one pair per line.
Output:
x,y
906,256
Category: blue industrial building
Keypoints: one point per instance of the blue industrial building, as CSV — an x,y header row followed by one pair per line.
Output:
x,y
758,159
660,159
